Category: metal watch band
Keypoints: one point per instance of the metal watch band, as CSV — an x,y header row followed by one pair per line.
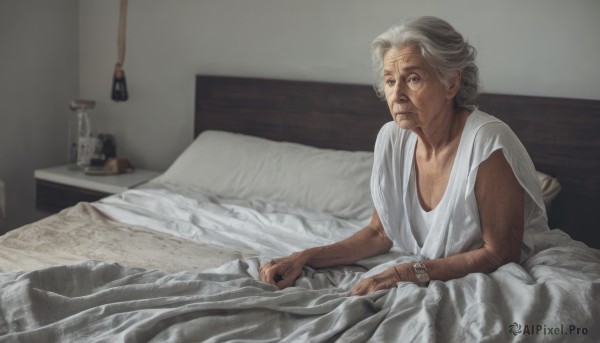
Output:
x,y
421,272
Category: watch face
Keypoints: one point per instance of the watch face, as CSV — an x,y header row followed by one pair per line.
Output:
x,y
421,272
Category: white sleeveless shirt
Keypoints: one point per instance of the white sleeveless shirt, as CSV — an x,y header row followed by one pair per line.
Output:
x,y
453,226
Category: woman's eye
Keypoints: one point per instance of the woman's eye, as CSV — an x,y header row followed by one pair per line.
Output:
x,y
413,79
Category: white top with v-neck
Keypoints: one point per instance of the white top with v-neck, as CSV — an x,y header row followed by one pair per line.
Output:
x,y
423,220
453,226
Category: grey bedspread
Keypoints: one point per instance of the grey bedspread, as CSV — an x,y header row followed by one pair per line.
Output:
x,y
553,296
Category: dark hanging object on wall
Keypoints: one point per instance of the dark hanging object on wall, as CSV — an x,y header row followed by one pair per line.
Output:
x,y
119,85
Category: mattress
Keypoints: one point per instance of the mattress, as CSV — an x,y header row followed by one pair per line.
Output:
x,y
178,260
187,272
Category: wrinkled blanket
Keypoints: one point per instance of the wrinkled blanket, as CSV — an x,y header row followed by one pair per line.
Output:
x,y
553,296
82,233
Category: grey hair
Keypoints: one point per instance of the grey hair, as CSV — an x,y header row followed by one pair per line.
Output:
x,y
441,46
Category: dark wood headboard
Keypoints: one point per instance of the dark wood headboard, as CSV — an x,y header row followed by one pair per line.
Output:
x,y
561,135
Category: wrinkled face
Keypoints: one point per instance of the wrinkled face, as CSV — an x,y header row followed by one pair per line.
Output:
x,y
413,92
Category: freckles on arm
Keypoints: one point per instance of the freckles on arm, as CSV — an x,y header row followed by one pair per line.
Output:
x,y
370,241
500,199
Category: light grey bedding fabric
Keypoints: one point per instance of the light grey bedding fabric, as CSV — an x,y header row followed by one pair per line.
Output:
x,y
557,290
81,233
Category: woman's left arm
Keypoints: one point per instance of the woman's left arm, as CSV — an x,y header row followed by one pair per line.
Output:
x,y
500,199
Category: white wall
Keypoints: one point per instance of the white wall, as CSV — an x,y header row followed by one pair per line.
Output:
x,y
38,77
535,47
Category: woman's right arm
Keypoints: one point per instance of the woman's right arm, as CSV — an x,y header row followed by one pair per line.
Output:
x,y
370,241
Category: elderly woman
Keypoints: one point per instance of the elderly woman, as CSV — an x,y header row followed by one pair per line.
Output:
x,y
451,185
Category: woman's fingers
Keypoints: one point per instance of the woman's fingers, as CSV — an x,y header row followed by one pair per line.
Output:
x,y
268,272
287,275
385,280
280,272
285,281
363,287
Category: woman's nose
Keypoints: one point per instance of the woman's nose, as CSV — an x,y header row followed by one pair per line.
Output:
x,y
400,92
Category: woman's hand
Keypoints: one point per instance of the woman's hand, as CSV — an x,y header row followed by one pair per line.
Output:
x,y
384,280
282,272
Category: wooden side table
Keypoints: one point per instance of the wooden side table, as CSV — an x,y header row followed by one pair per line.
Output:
x,y
63,186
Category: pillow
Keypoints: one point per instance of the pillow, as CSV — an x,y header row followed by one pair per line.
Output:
x,y
238,166
550,188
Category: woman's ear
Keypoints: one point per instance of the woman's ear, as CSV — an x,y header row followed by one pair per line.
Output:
x,y
454,84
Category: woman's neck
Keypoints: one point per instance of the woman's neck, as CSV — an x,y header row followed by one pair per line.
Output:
x,y
440,132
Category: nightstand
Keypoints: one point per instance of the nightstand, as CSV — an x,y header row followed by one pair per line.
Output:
x,y
60,187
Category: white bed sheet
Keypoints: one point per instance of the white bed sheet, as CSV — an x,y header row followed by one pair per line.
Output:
x,y
271,229
553,296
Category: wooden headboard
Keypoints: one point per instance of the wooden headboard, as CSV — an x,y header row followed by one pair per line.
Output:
x,y
561,135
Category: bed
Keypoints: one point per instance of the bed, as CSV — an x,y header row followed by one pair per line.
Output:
x,y
268,174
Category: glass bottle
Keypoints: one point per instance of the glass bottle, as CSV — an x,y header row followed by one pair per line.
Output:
x,y
72,140
84,147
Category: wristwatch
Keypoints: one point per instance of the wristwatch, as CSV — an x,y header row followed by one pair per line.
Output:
x,y
421,273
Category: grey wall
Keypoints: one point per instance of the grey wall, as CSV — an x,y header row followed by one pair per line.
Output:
x,y
53,51
534,47
38,76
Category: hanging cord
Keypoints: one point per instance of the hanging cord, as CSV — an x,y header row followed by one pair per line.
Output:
x,y
119,86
